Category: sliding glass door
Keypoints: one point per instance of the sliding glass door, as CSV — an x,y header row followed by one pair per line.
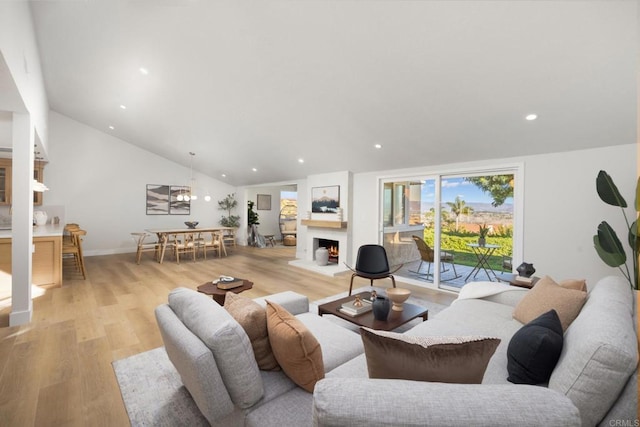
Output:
x,y
433,226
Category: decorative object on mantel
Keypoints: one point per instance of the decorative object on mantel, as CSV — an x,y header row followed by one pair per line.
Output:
x,y
381,308
607,244
398,296
325,199
322,256
525,270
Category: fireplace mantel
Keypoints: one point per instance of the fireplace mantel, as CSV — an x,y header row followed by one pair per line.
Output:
x,y
323,224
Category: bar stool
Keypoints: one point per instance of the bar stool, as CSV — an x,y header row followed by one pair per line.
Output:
x,y
73,250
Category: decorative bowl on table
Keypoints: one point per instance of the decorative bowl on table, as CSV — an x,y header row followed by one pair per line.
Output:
x,y
191,224
398,296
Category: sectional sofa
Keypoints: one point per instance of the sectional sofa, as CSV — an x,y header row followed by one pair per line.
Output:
x,y
593,383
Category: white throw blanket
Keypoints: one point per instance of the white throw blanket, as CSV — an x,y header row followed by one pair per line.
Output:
x,y
482,289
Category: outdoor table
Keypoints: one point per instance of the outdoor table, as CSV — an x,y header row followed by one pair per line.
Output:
x,y
482,254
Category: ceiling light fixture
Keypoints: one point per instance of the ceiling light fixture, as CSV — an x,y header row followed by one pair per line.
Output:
x,y
111,127
122,106
190,194
378,146
531,117
301,160
254,169
224,175
144,71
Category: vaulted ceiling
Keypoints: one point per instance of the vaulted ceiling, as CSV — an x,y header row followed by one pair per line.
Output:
x,y
261,84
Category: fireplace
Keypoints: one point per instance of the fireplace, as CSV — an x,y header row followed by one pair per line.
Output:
x,y
333,246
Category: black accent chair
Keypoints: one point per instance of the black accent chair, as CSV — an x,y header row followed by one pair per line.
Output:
x,y
372,264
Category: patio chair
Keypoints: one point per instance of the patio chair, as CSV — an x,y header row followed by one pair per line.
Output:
x,y
372,264
428,255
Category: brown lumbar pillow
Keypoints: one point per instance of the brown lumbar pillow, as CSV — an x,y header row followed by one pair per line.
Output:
x,y
253,319
296,349
548,295
438,359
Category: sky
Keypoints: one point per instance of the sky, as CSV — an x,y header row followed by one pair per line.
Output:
x,y
453,187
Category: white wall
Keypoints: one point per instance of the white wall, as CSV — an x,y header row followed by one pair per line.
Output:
x,y
561,207
20,51
101,181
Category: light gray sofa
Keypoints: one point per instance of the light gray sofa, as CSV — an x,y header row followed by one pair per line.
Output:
x,y
594,382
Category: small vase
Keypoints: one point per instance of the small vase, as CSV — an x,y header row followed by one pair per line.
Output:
x,y
381,307
322,256
525,270
482,241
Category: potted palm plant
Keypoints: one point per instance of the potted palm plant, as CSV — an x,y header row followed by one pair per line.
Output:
x,y
482,232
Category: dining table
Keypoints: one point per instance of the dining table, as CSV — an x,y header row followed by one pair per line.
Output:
x,y
482,253
164,233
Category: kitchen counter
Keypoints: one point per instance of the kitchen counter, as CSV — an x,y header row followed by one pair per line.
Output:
x,y
47,257
48,230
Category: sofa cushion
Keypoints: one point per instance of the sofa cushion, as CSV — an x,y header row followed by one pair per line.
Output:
x,y
338,344
547,295
436,359
535,349
253,319
577,284
600,350
227,341
295,348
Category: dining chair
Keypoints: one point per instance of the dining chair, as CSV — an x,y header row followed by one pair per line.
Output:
x,y
142,246
229,238
427,254
372,263
184,243
214,240
72,250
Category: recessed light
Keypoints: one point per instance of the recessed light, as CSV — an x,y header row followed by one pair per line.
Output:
x,y
111,127
144,71
378,146
531,117
224,175
300,160
124,107
254,169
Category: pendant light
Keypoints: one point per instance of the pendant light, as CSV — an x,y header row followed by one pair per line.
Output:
x,y
190,193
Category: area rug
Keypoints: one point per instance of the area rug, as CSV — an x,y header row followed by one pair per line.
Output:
x,y
153,393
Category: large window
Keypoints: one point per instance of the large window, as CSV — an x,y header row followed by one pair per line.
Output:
x,y
449,212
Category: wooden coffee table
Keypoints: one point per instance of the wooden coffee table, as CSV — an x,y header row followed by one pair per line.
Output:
x,y
219,295
394,320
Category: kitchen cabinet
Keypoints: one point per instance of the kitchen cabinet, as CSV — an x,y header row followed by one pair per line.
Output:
x,y
5,182
46,262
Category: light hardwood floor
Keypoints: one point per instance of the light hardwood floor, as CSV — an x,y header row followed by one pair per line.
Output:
x,y
57,371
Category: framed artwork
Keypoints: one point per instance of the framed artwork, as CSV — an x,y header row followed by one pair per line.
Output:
x,y
325,199
179,207
157,199
264,202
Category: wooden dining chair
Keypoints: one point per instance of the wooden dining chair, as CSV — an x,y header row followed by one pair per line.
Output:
x,y
215,241
142,246
184,243
229,238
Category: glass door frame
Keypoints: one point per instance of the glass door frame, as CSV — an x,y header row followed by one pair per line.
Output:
x,y
518,171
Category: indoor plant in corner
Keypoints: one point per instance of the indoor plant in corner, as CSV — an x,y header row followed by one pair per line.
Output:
x,y
228,204
606,242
